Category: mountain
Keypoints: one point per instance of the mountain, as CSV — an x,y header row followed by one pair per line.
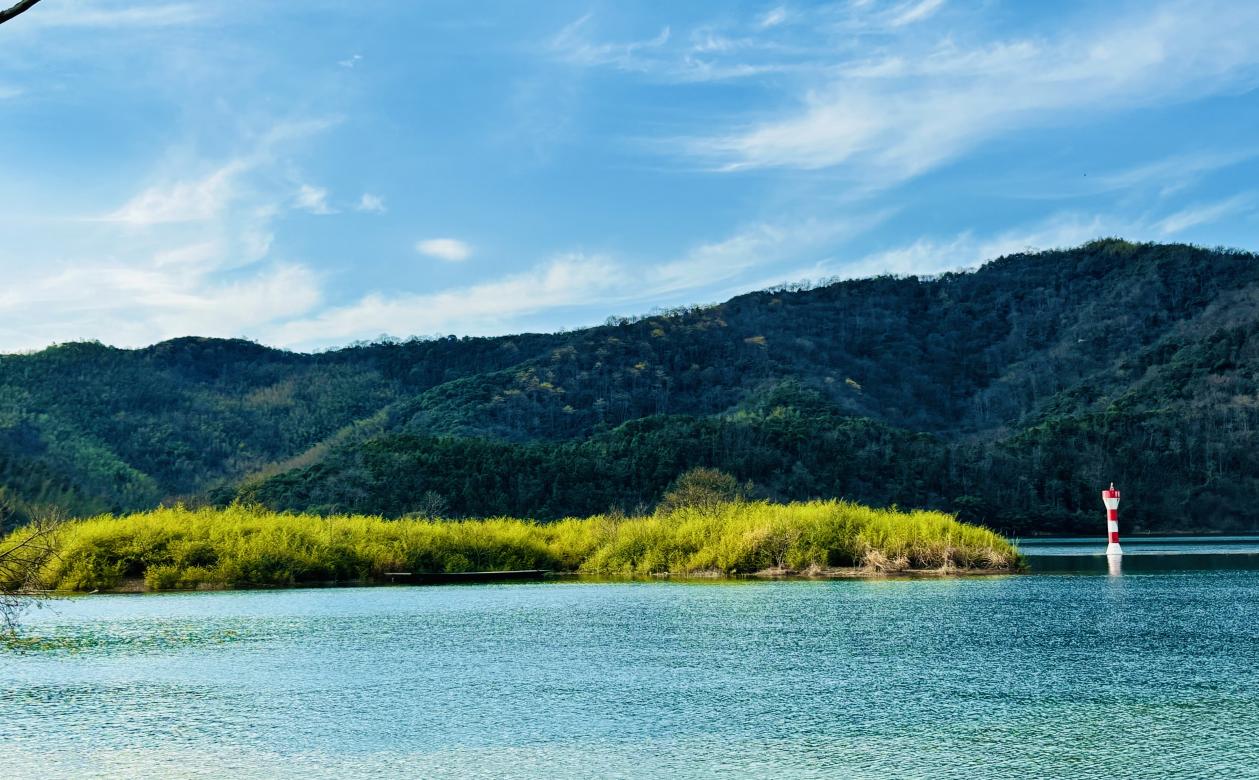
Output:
x,y
1010,394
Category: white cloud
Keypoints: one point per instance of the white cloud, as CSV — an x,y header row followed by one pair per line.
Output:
x,y
572,44
183,289
371,203
916,12
1203,214
932,255
723,265
910,109
190,254
351,61
1174,173
928,255
181,201
772,18
450,250
709,53
132,303
313,199
485,308
255,242
965,250
571,281
184,255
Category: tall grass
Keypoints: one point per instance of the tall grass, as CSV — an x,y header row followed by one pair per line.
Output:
x,y
242,546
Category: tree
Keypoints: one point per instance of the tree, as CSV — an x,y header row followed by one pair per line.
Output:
x,y
24,554
701,488
9,13
432,506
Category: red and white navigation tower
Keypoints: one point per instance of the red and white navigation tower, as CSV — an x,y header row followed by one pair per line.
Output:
x,y
1111,499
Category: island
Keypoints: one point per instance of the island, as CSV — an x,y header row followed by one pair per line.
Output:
x,y
240,546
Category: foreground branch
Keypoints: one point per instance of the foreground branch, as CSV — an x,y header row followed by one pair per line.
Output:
x,y
24,5
24,556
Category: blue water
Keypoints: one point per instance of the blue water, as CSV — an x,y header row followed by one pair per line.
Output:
x,y
1072,672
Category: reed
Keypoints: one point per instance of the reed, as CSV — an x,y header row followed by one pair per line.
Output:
x,y
241,546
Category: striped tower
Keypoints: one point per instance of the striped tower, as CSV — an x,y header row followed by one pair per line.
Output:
x,y
1111,499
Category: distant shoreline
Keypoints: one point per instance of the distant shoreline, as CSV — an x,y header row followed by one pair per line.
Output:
x,y
1145,535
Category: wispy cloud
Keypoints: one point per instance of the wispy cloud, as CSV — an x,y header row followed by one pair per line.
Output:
x,y
912,110
488,307
909,101
185,254
730,266
808,41
209,234
1204,214
772,18
724,265
572,281
174,197
1175,172
133,303
449,250
313,199
182,201
968,250
573,44
915,12
706,53
368,202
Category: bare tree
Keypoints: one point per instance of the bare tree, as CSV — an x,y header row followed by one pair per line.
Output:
x,y
24,555
17,8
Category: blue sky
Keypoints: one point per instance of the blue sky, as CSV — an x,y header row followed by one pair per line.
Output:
x,y
310,173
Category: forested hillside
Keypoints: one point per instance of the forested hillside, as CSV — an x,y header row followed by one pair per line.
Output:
x,y
1010,395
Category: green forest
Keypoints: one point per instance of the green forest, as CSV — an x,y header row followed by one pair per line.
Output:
x,y
1009,396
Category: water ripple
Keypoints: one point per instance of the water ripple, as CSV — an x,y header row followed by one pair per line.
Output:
x,y
1038,676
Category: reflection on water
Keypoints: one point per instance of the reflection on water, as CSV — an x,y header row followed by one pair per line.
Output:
x,y
1114,565
1142,555
996,677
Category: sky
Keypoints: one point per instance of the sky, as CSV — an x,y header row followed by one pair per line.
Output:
x,y
309,173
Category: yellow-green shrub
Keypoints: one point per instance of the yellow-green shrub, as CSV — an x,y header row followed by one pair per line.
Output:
x,y
173,548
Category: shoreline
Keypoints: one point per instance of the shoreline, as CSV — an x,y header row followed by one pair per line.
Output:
x,y
137,586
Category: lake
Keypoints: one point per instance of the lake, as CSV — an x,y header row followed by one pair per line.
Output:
x,y
1076,670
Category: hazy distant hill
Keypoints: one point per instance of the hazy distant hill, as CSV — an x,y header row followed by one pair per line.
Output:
x,y
1011,394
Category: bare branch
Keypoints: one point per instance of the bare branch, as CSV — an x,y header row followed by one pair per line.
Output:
x,y
23,5
24,557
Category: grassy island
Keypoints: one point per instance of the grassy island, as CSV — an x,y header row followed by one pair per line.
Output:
x,y
178,548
